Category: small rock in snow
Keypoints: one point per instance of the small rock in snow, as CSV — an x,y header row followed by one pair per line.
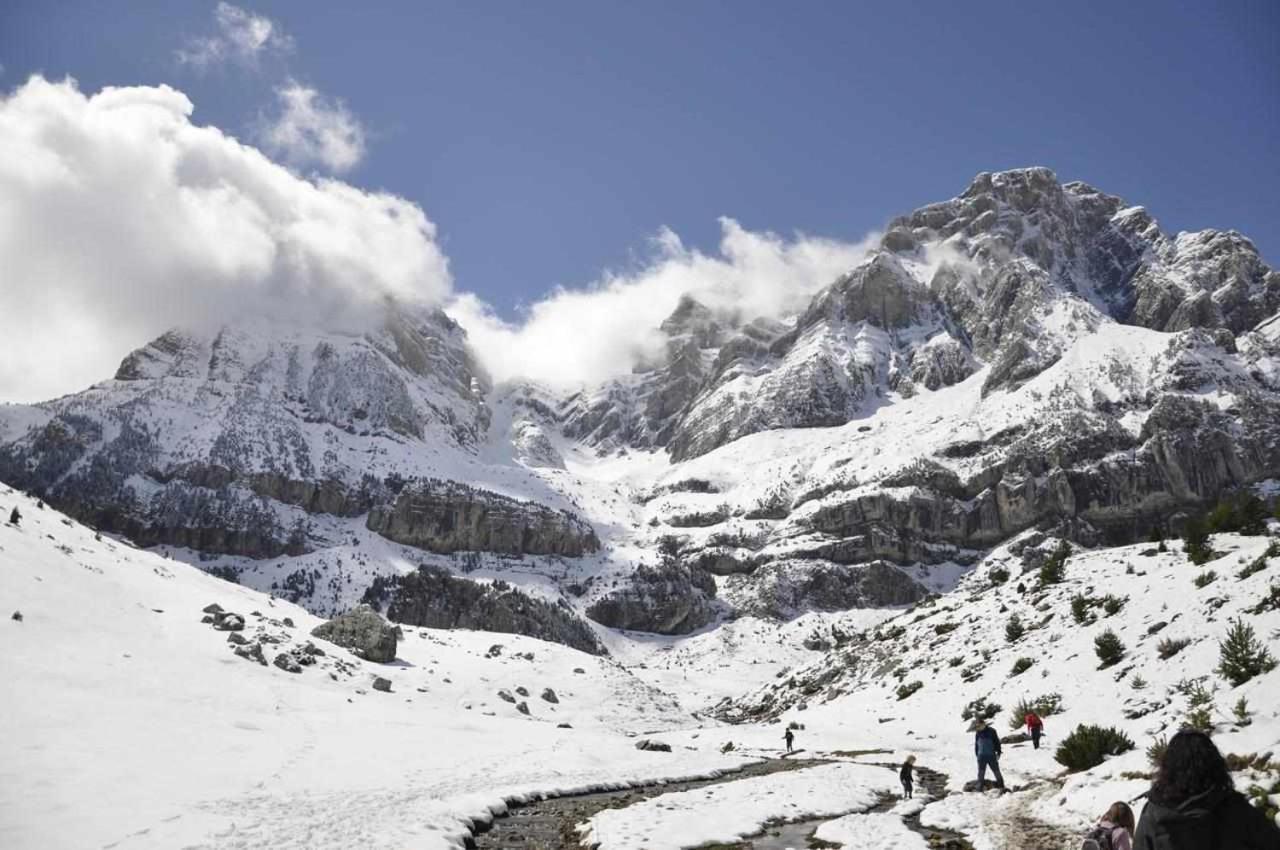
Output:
x,y
550,695
381,683
522,707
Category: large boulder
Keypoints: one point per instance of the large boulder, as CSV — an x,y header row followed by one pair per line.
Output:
x,y
363,631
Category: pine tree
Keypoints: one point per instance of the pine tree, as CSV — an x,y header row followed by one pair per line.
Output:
x,y
1253,516
1013,630
1241,656
1054,570
1195,539
1108,648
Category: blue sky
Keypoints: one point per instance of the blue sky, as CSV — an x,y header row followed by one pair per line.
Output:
x,y
549,141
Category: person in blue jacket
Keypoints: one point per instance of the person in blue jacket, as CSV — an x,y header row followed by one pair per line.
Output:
x,y
986,746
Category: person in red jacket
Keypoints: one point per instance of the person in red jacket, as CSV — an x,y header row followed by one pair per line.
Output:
x,y
1035,728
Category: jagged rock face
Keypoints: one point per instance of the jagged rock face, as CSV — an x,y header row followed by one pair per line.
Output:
x,y
445,516
363,631
433,599
1061,472
1009,274
783,590
209,441
669,599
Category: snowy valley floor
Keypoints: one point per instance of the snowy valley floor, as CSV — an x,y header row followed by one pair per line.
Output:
x,y
128,723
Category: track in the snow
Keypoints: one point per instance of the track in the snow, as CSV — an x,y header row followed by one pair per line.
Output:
x,y
551,824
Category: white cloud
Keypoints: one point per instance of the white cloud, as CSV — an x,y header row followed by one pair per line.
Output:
x,y
311,129
120,218
241,37
583,336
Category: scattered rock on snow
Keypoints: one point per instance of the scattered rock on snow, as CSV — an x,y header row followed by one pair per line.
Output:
x,y
363,631
212,608
237,638
550,695
286,662
522,691
252,652
17,615
506,696
288,621
653,746
494,651
522,707
228,622
381,683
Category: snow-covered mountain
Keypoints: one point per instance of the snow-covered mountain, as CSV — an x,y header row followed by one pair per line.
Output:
x,y
1029,355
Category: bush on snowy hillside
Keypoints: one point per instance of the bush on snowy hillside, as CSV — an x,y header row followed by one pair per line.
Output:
x,y
1045,705
980,709
1088,746
1169,647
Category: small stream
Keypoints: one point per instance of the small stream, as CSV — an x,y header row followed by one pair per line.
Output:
x,y
551,823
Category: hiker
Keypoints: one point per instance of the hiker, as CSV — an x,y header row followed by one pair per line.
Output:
x,y
789,736
905,776
1035,728
986,746
15,517
1114,831
1193,804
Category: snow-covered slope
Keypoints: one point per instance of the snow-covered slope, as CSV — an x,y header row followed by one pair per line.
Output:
x,y
130,723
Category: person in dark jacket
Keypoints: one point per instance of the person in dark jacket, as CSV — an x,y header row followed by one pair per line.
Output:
x,y
986,746
908,782
1193,805
789,737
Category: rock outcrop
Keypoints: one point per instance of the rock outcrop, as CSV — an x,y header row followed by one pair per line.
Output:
x,y
434,599
445,516
669,599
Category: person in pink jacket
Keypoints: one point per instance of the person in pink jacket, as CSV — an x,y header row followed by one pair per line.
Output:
x,y
1114,831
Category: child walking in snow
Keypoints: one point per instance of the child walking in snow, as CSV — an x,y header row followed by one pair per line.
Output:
x,y
905,776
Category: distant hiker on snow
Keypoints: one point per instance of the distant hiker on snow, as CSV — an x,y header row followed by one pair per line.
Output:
x,y
15,517
986,746
1193,805
789,736
905,776
1035,728
1113,832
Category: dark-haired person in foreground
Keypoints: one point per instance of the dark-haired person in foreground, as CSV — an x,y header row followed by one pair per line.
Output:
x,y
1193,805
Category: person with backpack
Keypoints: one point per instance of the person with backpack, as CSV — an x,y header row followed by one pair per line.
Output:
x,y
1113,832
789,736
986,746
1193,804
905,775
1035,728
